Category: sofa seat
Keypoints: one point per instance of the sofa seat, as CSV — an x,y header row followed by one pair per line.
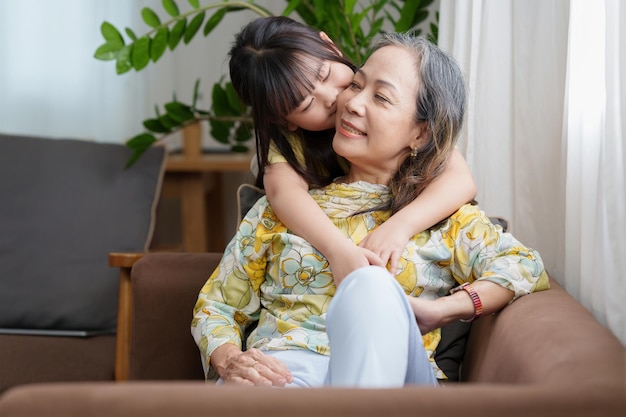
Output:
x,y
160,399
543,355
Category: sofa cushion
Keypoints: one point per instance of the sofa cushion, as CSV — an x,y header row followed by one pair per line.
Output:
x,y
65,205
34,359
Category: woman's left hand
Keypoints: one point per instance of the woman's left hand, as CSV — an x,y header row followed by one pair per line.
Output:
x,y
432,314
427,313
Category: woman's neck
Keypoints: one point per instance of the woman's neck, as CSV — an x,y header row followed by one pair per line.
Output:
x,y
367,175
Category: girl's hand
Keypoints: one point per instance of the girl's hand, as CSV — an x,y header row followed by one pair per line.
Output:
x,y
388,242
252,368
347,257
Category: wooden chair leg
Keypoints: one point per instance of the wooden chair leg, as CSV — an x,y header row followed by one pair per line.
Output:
x,y
125,262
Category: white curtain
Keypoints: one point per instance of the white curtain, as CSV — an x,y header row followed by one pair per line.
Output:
x,y
50,84
544,133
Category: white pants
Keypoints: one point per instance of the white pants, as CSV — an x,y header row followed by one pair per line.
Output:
x,y
374,339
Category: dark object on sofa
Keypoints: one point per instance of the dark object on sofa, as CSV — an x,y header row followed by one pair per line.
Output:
x,y
543,355
65,205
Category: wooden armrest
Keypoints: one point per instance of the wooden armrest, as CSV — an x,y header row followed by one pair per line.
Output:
x,y
125,262
124,259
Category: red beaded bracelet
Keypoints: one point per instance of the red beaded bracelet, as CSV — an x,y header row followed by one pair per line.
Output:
x,y
478,305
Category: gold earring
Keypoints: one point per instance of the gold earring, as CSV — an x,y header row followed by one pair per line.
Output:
x,y
413,152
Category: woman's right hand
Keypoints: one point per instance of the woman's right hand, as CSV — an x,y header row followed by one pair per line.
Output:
x,y
251,367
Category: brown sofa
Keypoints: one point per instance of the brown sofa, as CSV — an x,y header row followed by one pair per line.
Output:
x,y
543,355
65,204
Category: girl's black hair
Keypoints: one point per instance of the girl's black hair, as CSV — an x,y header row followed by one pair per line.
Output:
x,y
270,71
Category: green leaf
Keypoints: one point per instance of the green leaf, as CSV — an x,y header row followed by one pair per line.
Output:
x,y
220,101
168,122
150,17
433,36
376,27
141,141
214,21
139,144
155,125
140,56
320,7
420,16
243,133
108,51
220,131
177,33
196,93
395,6
159,44
134,157
171,7
110,33
124,64
355,19
412,13
131,34
291,6
378,6
426,3
179,112
233,99
194,3
307,15
193,27
349,6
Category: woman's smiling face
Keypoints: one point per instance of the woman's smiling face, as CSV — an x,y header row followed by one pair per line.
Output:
x,y
376,115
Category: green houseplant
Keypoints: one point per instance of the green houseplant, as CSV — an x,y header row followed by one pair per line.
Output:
x,y
352,24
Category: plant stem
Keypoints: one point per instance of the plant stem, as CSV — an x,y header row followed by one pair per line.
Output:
x,y
250,6
357,52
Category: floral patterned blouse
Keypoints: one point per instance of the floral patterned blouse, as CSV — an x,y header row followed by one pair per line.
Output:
x,y
274,277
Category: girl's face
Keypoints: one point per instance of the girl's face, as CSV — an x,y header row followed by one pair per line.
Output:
x,y
317,110
376,124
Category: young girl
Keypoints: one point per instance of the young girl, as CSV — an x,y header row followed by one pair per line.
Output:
x,y
290,75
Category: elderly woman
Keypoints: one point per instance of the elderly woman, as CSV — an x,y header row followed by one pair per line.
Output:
x,y
397,124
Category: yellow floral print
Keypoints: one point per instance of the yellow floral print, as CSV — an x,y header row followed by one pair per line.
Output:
x,y
269,275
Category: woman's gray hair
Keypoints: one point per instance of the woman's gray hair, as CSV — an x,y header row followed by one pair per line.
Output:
x,y
441,100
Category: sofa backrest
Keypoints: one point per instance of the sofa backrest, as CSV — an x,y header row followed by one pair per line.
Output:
x,y
546,338
65,204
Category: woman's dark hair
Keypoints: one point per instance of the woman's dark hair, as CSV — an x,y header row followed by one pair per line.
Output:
x,y
270,71
441,101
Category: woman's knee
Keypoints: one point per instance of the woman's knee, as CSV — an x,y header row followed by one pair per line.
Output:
x,y
368,315
367,290
369,281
